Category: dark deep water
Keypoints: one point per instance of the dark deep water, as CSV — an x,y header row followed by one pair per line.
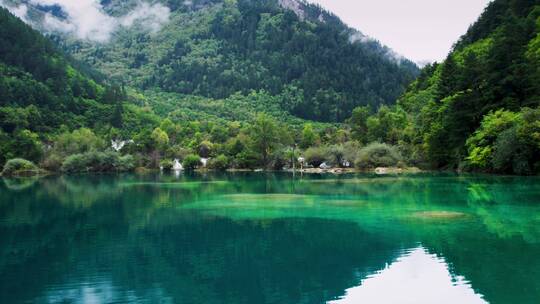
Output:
x,y
270,238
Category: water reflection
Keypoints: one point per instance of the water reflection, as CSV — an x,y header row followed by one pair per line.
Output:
x,y
416,277
269,238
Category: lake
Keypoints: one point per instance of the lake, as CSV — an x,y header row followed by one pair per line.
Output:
x,y
270,238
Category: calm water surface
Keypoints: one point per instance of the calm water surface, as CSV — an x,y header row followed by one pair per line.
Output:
x,y
270,238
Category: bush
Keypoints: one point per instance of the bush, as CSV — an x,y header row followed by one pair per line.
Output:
x,y
191,162
18,166
336,155
177,152
53,162
378,155
205,149
220,163
280,159
166,164
125,163
506,142
75,163
79,141
98,162
246,159
504,151
316,156
350,151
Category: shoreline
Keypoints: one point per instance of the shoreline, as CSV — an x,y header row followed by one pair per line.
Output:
x,y
379,170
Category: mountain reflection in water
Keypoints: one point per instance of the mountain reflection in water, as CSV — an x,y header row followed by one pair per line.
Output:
x,y
270,238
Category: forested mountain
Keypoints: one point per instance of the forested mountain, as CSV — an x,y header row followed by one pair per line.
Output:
x,y
321,68
42,91
479,108
234,80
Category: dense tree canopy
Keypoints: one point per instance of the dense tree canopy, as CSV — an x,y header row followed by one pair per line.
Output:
x,y
250,84
466,111
218,48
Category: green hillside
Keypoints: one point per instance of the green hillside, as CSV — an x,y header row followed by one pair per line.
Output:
x,y
217,48
477,110
41,92
256,84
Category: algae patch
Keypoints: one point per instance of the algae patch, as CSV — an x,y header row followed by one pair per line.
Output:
x,y
273,197
439,215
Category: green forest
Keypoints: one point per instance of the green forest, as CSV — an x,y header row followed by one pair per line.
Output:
x,y
254,85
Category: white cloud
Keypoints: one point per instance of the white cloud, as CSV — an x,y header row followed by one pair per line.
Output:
x,y
86,19
19,11
152,17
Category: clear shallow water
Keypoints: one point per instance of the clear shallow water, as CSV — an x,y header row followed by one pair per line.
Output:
x,y
270,238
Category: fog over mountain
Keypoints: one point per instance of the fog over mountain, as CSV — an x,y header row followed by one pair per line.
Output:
x,y
87,19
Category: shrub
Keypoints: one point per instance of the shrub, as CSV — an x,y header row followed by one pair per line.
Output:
x,y
177,152
350,151
316,156
378,155
191,162
75,163
98,162
506,142
220,163
125,163
18,166
166,164
504,150
79,141
53,162
205,149
280,159
246,159
336,155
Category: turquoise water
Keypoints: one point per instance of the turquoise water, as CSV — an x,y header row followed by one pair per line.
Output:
x,y
270,238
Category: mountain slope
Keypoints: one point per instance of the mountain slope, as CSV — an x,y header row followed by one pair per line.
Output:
x,y
217,48
41,90
462,107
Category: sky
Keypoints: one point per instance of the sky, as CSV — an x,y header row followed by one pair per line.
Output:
x,y
421,30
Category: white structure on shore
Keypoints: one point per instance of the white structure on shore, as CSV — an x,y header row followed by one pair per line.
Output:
x,y
118,145
177,166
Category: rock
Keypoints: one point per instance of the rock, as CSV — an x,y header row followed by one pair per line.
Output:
x,y
439,215
384,170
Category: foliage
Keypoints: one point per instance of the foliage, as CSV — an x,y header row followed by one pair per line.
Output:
x,y
358,122
313,69
378,155
493,67
336,155
160,139
205,148
265,137
315,156
309,137
507,142
191,162
236,79
18,166
98,162
480,145
166,164
220,163
79,141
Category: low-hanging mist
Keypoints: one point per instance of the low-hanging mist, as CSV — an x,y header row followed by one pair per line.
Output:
x,y
87,19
